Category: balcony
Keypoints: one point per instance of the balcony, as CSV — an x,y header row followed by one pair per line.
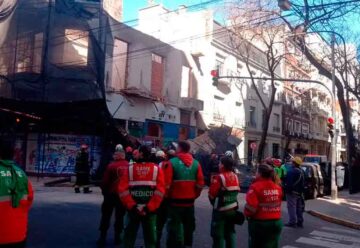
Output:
x,y
191,104
276,129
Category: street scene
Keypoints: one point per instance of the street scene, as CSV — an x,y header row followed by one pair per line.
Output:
x,y
180,123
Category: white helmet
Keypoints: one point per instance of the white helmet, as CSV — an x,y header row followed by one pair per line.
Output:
x,y
119,148
229,154
153,150
160,154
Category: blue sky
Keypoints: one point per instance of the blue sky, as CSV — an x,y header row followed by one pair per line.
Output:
x,y
131,7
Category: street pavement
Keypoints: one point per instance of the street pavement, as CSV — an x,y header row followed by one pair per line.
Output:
x,y
60,218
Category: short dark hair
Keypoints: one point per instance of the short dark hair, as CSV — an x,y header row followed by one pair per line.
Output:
x,y
266,171
184,146
227,162
146,152
6,148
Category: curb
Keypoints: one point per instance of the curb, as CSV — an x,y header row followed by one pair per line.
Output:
x,y
334,220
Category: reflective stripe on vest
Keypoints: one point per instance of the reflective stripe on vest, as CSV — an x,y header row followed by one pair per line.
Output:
x,y
270,204
8,198
231,206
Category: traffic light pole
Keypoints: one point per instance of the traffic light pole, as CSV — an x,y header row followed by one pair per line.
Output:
x,y
334,192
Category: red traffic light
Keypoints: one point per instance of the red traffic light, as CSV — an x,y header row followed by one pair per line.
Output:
x,y
331,120
214,73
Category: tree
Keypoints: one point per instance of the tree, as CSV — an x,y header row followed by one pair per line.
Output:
x,y
310,16
253,41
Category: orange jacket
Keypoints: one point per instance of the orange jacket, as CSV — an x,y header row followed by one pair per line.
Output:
x,y
142,184
184,191
263,200
14,221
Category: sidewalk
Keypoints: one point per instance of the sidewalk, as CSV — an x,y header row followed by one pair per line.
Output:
x,y
343,211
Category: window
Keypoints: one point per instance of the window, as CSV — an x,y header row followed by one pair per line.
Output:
x,y
75,48
218,110
29,53
305,128
185,118
119,65
252,116
275,150
157,75
290,125
237,104
219,65
276,120
185,81
297,127
154,130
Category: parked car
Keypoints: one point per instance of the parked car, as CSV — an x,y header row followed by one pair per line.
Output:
x,y
314,181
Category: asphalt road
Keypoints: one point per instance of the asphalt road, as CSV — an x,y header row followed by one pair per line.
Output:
x,y
60,218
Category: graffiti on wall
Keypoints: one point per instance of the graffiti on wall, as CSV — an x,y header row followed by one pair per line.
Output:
x,y
56,153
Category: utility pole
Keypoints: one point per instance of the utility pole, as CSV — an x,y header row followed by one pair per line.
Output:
x,y
334,192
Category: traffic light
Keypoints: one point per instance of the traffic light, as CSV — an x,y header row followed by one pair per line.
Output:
x,y
331,126
215,77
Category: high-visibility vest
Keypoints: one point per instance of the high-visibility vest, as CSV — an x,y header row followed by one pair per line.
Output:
x,y
142,181
227,197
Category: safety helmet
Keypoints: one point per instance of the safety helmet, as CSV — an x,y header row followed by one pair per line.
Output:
x,y
276,162
229,153
297,160
172,152
119,148
129,149
160,154
153,150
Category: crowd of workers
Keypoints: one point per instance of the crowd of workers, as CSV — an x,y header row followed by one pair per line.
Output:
x,y
154,188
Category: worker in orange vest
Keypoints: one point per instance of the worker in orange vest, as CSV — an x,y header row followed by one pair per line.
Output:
x,y
141,189
185,182
223,193
263,209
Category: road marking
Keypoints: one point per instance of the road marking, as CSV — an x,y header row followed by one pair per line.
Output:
x,y
339,230
323,243
289,246
340,237
326,239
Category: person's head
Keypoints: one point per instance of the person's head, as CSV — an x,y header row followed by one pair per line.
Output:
x,y
265,171
226,163
171,153
84,147
135,154
276,162
119,152
183,147
229,154
145,153
160,155
153,151
269,161
129,149
213,156
297,161
6,148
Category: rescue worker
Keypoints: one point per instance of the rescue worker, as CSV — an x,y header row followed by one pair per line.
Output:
x,y
294,188
214,167
16,197
109,188
82,170
223,193
263,209
162,212
279,170
141,189
185,181
135,157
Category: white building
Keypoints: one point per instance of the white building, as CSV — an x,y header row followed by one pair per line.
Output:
x,y
233,103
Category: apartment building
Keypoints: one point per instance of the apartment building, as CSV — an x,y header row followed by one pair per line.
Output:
x,y
206,46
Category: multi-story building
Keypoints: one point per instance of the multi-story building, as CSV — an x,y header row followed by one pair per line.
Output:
x,y
52,82
150,89
206,46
